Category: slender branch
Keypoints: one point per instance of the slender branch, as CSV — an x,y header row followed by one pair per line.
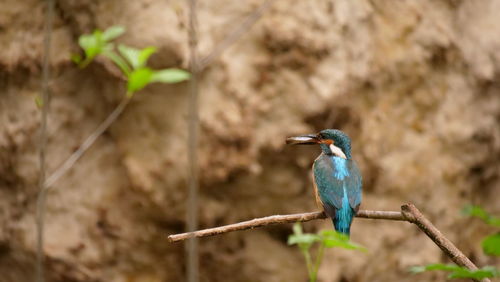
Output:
x,y
408,213
86,144
236,34
192,260
439,239
39,268
280,219
47,184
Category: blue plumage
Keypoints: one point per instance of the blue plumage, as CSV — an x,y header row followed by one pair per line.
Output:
x,y
337,179
338,184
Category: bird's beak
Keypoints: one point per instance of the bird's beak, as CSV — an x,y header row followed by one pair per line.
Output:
x,y
309,139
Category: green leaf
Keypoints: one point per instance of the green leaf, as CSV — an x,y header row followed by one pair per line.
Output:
x,y
458,271
491,245
113,32
485,272
170,76
332,239
118,61
435,266
477,211
334,234
131,55
87,41
138,79
144,55
76,58
303,239
90,45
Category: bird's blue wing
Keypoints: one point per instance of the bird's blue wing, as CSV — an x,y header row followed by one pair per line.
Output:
x,y
355,185
333,176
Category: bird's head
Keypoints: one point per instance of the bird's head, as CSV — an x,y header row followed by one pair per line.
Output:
x,y
332,142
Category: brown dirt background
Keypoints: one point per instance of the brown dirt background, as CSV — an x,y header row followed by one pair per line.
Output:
x,y
415,84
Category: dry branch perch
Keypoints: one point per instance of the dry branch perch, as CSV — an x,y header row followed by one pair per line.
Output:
x,y
280,219
408,213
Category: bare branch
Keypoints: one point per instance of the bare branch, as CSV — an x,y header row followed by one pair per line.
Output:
x,y
280,219
236,34
86,144
46,184
408,213
409,210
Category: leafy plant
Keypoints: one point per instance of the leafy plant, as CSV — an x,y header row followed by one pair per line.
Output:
x,y
97,43
131,61
490,245
477,211
458,271
325,239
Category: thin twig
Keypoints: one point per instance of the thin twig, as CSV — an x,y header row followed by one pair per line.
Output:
x,y
192,260
86,144
39,271
408,213
47,184
236,34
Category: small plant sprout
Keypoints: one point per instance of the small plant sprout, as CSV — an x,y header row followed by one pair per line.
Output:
x,y
479,212
325,239
97,43
490,245
131,61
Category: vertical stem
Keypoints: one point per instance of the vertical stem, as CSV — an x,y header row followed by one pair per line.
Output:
x,y
39,271
192,204
309,264
319,257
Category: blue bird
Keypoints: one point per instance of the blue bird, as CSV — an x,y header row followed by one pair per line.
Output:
x,y
337,179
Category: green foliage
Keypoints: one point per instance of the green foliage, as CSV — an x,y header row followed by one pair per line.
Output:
x,y
458,271
325,239
170,76
96,43
135,57
138,79
305,241
490,244
131,61
477,211
113,33
331,239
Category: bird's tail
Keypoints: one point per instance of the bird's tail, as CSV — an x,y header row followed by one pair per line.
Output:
x,y
341,227
341,218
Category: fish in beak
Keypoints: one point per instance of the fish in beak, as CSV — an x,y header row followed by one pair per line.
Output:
x,y
308,139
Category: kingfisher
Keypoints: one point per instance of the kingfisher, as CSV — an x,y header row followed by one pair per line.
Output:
x,y
337,179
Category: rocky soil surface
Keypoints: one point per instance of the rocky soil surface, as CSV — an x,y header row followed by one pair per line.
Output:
x,y
414,83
